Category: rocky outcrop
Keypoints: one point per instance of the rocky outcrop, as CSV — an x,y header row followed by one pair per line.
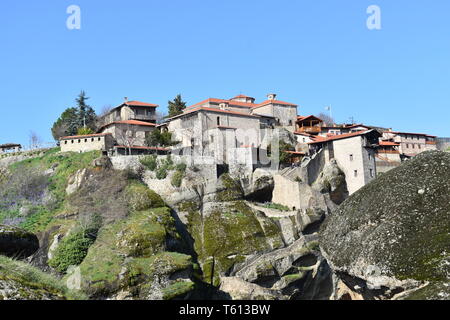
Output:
x,y
238,289
77,180
17,243
391,238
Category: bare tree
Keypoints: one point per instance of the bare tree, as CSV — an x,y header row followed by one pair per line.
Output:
x,y
35,140
128,136
327,119
105,110
159,117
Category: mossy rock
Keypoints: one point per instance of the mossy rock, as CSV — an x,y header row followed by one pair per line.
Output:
x,y
226,236
140,197
398,223
228,189
130,251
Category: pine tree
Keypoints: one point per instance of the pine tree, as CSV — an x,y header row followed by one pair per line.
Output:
x,y
75,118
86,115
176,106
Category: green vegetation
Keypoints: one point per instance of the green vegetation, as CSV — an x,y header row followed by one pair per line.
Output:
x,y
75,118
276,206
84,131
176,106
159,139
26,185
232,189
72,250
142,238
33,283
177,177
283,147
149,162
140,197
223,238
177,289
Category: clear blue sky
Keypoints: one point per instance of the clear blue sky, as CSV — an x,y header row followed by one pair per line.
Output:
x,y
312,53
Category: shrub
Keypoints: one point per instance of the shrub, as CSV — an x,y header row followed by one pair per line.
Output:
x,y
72,250
142,198
161,173
177,179
149,162
181,167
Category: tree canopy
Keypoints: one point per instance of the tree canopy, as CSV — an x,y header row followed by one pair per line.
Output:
x,y
176,106
76,118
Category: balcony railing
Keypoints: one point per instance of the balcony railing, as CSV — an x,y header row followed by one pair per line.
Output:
x,y
309,129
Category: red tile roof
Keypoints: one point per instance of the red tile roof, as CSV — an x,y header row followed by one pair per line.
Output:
x,y
85,136
140,104
242,96
215,110
274,102
303,134
389,143
301,118
410,133
340,136
241,104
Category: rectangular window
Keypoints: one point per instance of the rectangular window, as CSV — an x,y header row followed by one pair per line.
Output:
x,y
212,139
355,173
218,121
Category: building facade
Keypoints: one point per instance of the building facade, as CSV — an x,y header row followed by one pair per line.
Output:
x,y
354,154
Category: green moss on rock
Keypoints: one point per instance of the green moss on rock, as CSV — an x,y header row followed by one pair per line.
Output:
x,y
400,223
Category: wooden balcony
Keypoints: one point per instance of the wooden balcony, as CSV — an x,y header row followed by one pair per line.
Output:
x,y
309,129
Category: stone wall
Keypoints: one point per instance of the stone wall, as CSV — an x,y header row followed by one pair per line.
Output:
x,y
87,143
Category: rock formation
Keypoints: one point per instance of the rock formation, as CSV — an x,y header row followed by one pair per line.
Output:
x,y
391,238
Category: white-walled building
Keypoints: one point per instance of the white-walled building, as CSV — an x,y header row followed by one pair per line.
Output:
x,y
354,154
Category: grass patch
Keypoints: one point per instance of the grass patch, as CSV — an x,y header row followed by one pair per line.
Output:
x,y
36,281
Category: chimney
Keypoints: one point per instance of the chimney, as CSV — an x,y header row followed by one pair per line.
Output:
x,y
223,105
126,99
271,96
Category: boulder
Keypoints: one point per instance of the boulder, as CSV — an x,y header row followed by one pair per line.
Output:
x,y
77,180
16,242
393,235
238,289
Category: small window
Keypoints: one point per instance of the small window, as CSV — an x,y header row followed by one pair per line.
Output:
x,y
419,146
351,157
413,146
65,142
407,146
92,139
72,141
85,140
355,173
79,140
370,156
218,121
290,122
212,139
371,173
99,139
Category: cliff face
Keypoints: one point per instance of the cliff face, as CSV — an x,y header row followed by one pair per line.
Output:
x,y
392,236
104,234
